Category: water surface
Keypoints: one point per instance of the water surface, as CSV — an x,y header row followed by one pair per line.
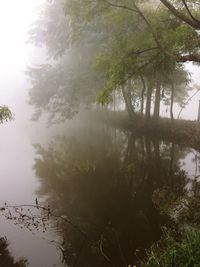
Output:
x,y
101,179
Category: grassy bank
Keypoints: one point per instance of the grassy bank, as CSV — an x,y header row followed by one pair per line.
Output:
x,y
181,251
180,244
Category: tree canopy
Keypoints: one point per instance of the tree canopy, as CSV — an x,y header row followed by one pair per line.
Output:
x,y
99,47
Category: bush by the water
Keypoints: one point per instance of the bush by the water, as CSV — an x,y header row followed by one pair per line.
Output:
x,y
172,251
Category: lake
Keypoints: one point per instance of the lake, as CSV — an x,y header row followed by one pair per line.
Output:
x,y
102,191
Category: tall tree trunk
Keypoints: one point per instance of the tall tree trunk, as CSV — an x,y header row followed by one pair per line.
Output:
x,y
128,102
157,101
142,95
114,101
172,103
148,102
129,96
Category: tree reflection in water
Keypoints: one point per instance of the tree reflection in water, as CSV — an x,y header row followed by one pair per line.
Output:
x,y
6,260
105,182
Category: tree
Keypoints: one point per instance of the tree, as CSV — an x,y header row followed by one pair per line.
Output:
x,y
128,53
154,44
68,83
5,114
50,29
63,88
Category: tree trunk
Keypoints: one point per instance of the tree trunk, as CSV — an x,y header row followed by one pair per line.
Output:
x,y
157,101
142,95
130,112
148,102
114,101
172,103
129,96
128,102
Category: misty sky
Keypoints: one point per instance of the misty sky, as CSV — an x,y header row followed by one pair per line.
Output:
x,y
15,20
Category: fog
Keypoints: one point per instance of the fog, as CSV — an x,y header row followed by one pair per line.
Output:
x,y
90,172
15,20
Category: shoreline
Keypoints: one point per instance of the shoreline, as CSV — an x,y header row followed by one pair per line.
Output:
x,y
183,132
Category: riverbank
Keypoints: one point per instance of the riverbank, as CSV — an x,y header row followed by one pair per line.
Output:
x,y
184,132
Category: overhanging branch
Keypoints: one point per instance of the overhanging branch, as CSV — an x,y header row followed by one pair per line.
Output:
x,y
138,52
120,6
190,57
137,10
190,21
189,12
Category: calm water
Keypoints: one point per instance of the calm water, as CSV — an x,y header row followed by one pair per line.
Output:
x,y
102,179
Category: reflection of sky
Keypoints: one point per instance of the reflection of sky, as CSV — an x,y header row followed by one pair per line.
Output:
x,y
190,163
18,185
37,248
191,110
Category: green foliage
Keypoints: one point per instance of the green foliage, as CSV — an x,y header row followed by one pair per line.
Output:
x,y
51,29
173,251
112,42
61,89
190,213
178,39
5,114
180,78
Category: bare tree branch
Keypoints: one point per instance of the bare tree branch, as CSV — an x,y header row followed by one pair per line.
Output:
x,y
188,100
49,212
120,6
138,52
190,21
189,12
190,57
137,10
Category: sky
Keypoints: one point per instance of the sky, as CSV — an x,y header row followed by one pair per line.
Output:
x,y
15,20
191,110
16,17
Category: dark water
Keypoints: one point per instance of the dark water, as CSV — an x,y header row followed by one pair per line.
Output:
x,y
103,180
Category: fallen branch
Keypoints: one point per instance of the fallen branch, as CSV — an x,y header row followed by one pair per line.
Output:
x,y
49,212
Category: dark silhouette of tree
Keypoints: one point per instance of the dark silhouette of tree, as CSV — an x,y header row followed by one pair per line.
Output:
x,y
6,259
